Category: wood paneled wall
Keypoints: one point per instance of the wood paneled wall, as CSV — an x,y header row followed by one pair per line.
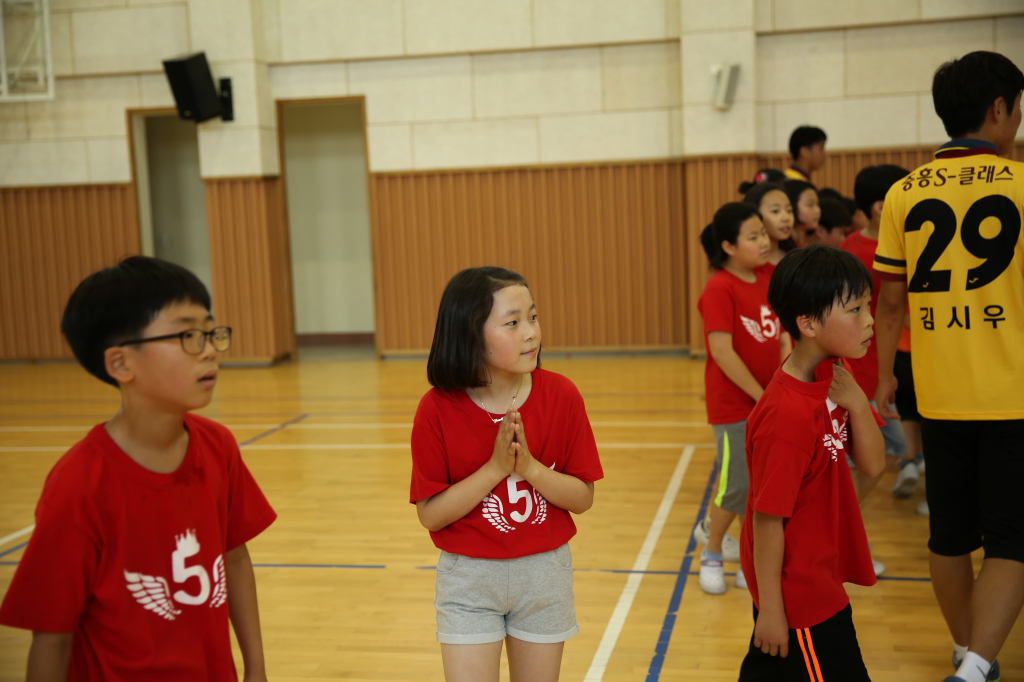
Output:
x,y
251,266
602,246
50,239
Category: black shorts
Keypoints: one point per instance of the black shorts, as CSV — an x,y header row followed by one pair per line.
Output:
x,y
975,469
826,651
906,398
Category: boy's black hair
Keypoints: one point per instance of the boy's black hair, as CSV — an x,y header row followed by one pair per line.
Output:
x,y
764,175
793,189
456,360
834,215
829,193
873,183
811,280
805,136
963,89
115,304
725,228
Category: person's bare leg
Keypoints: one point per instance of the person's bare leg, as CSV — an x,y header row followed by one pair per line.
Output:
x,y
530,662
718,526
912,434
471,662
953,583
997,601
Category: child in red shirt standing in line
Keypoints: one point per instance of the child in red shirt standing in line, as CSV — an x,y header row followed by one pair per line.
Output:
x,y
803,196
497,428
745,346
141,527
773,204
803,536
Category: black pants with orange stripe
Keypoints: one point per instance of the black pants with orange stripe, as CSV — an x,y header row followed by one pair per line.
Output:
x,y
826,652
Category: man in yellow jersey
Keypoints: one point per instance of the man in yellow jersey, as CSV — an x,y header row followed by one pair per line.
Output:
x,y
807,147
951,239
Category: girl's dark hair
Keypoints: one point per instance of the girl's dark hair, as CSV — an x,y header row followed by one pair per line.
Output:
x,y
756,194
116,304
834,215
793,189
811,280
763,175
725,228
456,360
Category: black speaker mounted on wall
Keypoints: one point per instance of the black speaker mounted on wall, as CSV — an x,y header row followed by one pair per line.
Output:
x,y
194,90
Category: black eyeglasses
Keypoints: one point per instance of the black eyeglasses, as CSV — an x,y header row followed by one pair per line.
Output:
x,y
193,341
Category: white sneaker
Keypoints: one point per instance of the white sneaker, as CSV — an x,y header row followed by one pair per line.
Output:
x,y
741,580
906,479
712,576
922,509
730,545
879,567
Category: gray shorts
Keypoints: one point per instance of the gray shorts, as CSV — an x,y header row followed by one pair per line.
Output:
x,y
480,601
733,480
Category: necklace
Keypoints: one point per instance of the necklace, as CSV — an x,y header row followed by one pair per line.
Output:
x,y
499,419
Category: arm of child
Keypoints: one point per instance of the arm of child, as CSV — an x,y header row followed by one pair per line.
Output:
x,y
868,445
561,490
48,657
457,500
889,314
244,612
720,348
771,633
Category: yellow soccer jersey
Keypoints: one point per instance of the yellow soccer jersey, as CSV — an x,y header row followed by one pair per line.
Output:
x,y
795,172
952,230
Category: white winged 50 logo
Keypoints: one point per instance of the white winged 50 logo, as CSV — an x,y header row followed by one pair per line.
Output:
x,y
767,329
494,510
154,594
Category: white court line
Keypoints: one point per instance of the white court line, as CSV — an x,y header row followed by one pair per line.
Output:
x,y
618,619
17,534
328,427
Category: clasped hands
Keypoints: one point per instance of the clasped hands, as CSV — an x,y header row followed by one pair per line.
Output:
x,y
511,451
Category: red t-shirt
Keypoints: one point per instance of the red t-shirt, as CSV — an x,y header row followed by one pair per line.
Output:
x,y
132,562
865,369
797,441
728,304
452,438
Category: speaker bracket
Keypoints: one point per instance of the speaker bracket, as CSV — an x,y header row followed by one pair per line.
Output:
x,y
227,107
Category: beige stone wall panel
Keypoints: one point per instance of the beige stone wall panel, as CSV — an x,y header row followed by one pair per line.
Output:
x,y
594,137
129,40
641,76
414,90
800,66
326,30
541,82
596,22
447,26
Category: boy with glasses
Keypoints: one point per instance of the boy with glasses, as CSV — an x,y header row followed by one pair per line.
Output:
x,y
141,526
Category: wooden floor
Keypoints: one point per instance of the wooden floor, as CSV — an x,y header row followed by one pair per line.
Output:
x,y
346,590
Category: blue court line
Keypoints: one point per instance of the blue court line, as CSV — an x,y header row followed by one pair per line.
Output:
x,y
274,430
661,648
14,549
319,566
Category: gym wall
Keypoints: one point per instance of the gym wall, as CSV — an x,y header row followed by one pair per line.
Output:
x,y
594,118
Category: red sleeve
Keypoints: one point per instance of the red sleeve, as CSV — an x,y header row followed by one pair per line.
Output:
x,y
878,418
249,512
54,577
582,460
717,308
429,459
778,471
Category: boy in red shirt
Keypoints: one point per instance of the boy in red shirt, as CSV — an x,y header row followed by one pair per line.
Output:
x,y
803,536
141,526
